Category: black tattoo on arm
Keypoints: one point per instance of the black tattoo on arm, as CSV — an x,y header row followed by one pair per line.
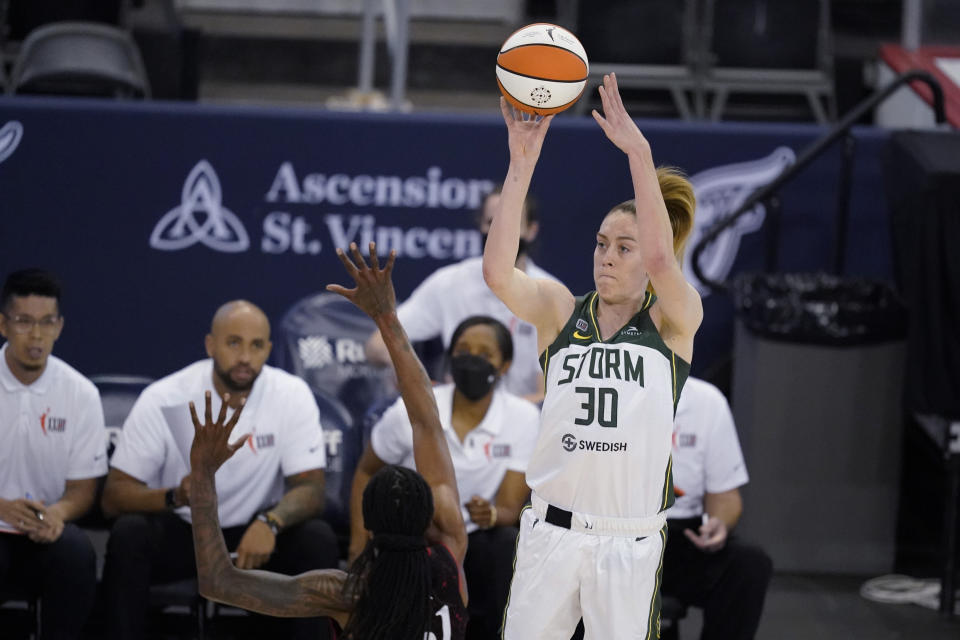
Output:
x,y
316,593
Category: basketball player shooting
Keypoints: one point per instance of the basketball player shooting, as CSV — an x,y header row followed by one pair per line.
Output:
x,y
408,583
614,362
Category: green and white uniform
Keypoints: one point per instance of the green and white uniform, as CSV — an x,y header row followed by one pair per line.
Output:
x,y
607,418
592,543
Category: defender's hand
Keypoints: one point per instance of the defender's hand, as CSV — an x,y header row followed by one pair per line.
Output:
x,y
374,292
211,440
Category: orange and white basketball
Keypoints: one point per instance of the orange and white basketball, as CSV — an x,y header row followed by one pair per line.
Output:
x,y
542,69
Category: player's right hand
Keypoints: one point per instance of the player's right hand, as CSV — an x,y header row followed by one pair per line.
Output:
x,y
525,132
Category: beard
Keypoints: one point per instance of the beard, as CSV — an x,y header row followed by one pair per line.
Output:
x,y
230,383
31,367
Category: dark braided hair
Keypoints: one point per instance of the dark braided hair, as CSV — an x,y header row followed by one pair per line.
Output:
x,y
389,582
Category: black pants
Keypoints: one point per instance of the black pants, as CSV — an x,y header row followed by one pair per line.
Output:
x,y
146,549
488,568
62,573
729,585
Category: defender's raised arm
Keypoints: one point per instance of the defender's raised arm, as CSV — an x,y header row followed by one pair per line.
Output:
x,y
374,294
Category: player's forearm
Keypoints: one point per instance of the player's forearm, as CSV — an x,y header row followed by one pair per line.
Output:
x,y
121,497
503,238
358,537
315,593
216,575
412,380
655,236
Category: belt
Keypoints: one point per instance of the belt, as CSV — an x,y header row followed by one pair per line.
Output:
x,y
558,517
596,525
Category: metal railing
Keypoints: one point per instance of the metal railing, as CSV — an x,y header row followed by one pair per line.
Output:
x,y
767,195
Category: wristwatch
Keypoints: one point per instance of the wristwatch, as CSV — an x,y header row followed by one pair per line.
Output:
x,y
170,499
271,521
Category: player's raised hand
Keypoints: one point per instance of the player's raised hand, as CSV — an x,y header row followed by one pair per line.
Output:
x,y
615,121
525,132
373,292
211,439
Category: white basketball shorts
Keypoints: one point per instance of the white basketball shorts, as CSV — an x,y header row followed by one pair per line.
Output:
x,y
562,574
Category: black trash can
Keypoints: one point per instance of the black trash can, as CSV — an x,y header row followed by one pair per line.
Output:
x,y
817,385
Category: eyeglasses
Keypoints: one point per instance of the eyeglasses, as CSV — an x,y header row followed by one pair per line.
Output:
x,y
24,324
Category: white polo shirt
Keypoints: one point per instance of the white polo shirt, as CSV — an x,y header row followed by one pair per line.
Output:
x,y
455,292
503,441
51,431
706,452
280,412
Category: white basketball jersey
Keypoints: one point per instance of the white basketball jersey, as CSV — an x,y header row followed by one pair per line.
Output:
x,y
607,419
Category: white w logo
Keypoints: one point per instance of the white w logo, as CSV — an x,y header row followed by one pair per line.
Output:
x,y
314,351
220,230
10,135
720,191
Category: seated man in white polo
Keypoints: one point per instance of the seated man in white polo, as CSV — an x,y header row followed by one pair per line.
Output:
x,y
491,435
704,565
53,450
270,493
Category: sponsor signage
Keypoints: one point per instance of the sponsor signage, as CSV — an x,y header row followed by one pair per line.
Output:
x,y
155,214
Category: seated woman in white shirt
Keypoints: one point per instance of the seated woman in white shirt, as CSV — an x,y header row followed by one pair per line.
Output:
x,y
491,434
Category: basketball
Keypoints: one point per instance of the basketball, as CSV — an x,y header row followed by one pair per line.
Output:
x,y
542,69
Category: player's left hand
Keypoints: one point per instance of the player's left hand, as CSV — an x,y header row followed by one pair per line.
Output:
x,y
374,292
211,440
482,512
712,536
615,121
256,545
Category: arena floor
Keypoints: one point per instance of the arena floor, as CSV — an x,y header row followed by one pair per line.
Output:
x,y
797,607
830,607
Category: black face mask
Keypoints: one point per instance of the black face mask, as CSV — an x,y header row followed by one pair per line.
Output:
x,y
521,248
473,376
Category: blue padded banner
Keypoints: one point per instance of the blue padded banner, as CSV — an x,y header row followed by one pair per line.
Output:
x,y
154,214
